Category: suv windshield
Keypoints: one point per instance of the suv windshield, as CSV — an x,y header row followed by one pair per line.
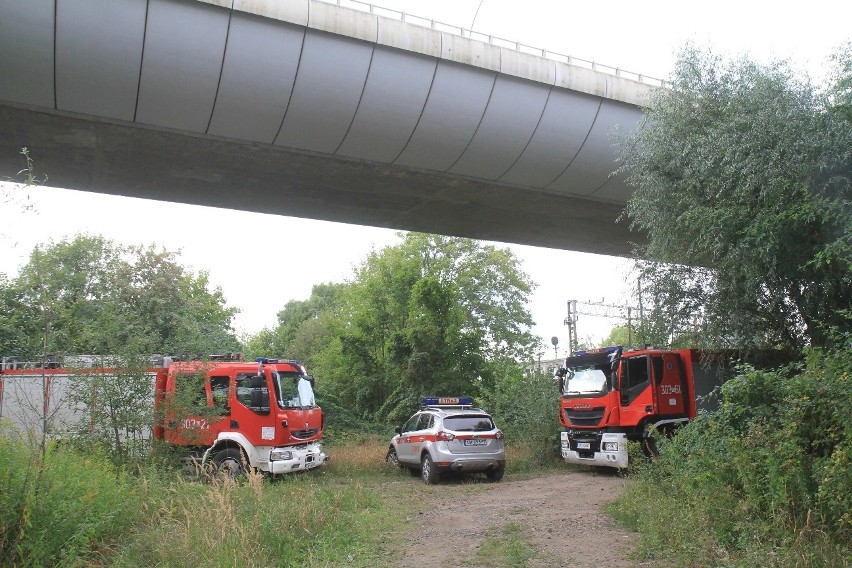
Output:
x,y
469,423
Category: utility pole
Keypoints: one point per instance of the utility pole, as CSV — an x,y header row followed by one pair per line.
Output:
x,y
571,322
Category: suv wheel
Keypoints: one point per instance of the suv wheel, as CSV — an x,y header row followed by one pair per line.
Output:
x,y
392,459
428,471
494,475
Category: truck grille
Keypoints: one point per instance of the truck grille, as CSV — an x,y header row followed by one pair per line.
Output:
x,y
304,434
590,417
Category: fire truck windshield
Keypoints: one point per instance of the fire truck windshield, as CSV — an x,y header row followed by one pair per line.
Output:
x,y
585,381
293,390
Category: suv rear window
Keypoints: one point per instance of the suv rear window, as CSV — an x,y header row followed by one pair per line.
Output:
x,y
469,423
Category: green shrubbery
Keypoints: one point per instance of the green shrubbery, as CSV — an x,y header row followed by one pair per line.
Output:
x,y
526,408
61,507
75,508
765,481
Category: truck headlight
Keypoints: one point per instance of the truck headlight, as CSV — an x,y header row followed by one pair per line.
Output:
x,y
279,455
610,446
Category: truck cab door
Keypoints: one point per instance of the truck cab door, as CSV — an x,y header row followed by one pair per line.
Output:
x,y
669,386
251,414
636,398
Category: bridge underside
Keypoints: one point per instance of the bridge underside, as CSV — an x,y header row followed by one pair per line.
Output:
x,y
127,159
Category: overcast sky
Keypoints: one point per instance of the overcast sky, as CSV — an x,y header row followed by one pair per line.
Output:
x,y
294,254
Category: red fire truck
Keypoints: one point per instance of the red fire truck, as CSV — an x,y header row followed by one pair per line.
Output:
x,y
609,396
226,412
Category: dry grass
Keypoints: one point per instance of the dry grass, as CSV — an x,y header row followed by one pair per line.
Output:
x,y
358,454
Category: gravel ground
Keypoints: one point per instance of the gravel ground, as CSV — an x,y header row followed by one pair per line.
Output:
x,y
562,514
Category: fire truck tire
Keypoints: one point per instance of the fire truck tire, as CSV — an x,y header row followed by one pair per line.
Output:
x,y
649,447
392,459
494,475
428,471
230,463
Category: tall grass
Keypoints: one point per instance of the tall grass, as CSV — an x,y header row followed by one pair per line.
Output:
x,y
61,507
75,508
297,521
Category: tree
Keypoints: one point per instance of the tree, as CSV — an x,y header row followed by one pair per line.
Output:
x,y
12,189
117,410
620,335
91,295
743,178
431,315
301,331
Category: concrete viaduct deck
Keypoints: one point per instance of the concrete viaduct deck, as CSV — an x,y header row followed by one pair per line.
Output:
x,y
312,109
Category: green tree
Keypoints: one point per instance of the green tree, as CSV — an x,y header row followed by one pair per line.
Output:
x,y
302,330
620,335
91,295
431,315
117,408
743,177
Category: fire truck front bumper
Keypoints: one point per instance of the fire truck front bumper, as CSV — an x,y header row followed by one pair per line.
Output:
x,y
296,458
594,448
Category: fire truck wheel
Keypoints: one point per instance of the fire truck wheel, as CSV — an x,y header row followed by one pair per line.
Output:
x,y
229,462
494,475
392,459
649,447
428,471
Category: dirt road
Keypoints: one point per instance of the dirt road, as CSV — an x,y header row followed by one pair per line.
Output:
x,y
560,514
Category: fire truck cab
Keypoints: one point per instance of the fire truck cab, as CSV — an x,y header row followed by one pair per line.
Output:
x,y
609,397
237,415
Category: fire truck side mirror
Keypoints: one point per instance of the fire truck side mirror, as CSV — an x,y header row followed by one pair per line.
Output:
x,y
258,382
560,378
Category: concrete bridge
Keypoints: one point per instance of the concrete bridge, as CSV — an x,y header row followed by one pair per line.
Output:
x,y
313,109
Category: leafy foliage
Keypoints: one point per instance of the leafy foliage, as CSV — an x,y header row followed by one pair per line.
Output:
x,y
743,177
526,407
117,409
90,295
765,481
61,508
431,315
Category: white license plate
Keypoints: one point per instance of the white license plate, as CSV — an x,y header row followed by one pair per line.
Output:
x,y
475,442
584,445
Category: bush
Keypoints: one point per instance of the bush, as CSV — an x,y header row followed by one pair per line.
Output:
x,y
766,480
61,507
526,408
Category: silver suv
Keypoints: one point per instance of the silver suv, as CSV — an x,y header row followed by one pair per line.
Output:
x,y
448,434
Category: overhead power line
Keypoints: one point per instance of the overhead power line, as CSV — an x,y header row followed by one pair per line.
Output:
x,y
598,309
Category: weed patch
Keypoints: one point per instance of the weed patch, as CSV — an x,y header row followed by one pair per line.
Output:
x,y
506,547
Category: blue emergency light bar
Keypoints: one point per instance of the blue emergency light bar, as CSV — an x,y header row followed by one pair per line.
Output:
x,y
446,401
597,351
265,361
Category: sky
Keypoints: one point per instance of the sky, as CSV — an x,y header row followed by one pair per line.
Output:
x,y
640,37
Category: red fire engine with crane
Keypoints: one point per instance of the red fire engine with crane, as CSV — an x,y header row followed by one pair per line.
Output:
x,y
610,396
226,412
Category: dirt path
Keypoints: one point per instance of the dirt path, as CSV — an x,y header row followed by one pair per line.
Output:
x,y
561,515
